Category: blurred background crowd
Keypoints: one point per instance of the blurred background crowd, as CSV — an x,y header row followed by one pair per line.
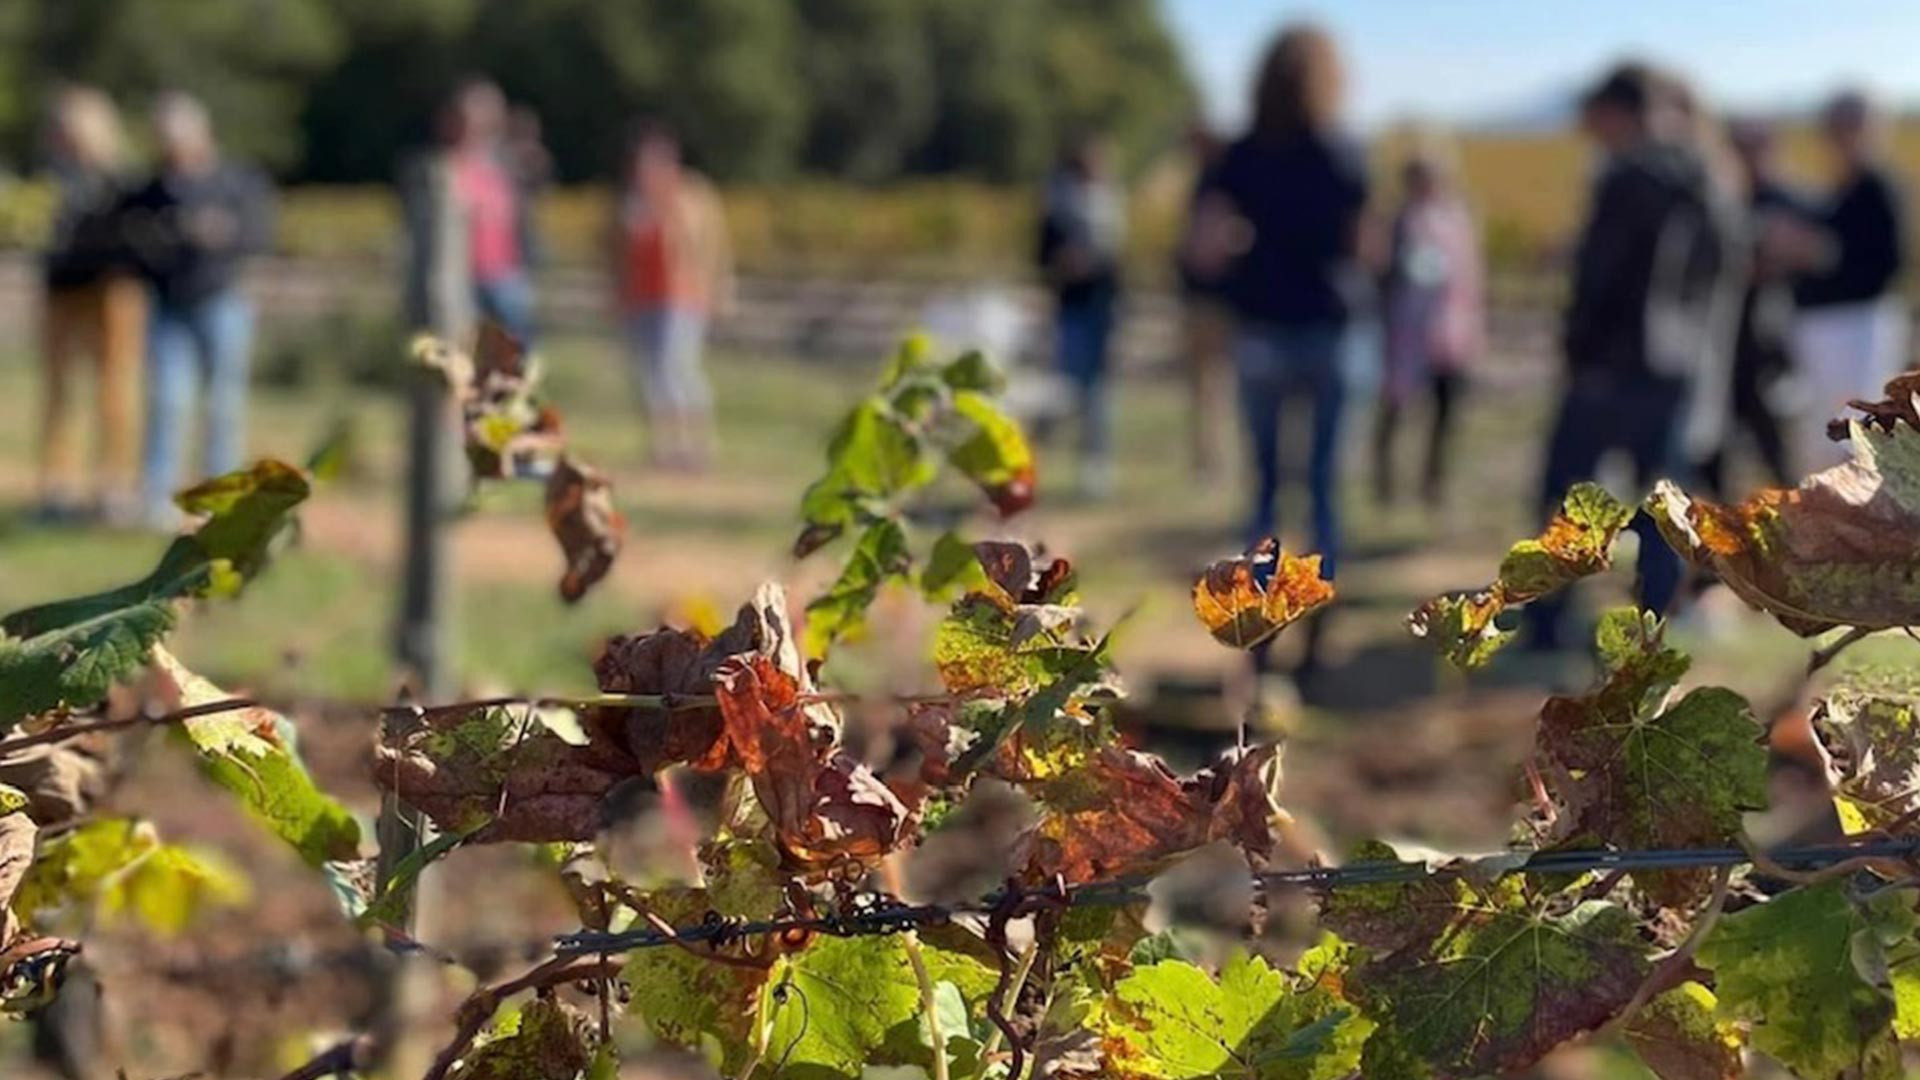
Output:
x,y
1225,268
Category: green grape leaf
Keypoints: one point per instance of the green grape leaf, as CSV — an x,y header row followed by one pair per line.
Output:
x,y
69,653
1637,773
546,1038
1679,1036
972,370
744,877
1784,968
251,753
871,459
1577,543
1466,981
990,647
880,556
682,996
1171,1021
1041,735
844,1002
76,665
996,455
1873,743
1246,600
1842,549
123,868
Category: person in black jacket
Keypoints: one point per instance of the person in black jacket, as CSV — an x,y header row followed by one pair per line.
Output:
x,y
1083,226
191,228
1639,319
1851,334
94,303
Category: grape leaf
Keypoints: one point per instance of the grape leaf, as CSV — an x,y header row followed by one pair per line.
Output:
x,y
951,568
1246,600
251,753
825,806
1679,1037
1637,772
548,1039
1783,967
123,867
581,514
70,653
1577,543
75,665
843,1003
871,459
17,834
996,455
1873,745
880,556
1125,813
1465,981
1842,549
495,774
682,996
1171,1021
990,646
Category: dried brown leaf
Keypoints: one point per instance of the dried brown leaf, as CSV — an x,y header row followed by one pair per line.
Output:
x,y
591,530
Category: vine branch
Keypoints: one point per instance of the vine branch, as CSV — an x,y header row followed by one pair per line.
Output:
x,y
480,1006
89,727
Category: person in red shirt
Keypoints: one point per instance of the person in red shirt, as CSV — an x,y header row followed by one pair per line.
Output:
x,y
672,271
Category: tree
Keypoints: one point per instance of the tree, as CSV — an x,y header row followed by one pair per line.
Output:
x,y
864,64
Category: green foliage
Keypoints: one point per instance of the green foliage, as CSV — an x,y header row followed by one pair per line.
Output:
x,y
119,867
1172,1021
844,1003
69,653
1788,968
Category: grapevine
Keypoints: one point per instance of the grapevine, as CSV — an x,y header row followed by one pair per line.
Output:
x,y
1632,908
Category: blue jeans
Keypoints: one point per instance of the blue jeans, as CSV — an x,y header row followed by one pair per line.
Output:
x,y
1084,332
509,302
1642,416
191,346
665,345
1275,363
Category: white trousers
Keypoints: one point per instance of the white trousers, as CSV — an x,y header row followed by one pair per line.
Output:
x,y
1841,353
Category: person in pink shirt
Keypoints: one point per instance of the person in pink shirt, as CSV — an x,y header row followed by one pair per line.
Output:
x,y
1435,316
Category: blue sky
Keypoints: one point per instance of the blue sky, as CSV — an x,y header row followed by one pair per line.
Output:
x,y
1467,59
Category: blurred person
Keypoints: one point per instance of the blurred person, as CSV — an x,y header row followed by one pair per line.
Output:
x,y
1082,234
191,229
462,208
1434,303
1648,272
95,303
1282,220
532,166
1851,332
672,266
1760,357
1206,323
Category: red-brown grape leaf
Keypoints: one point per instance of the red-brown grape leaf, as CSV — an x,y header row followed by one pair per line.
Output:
x,y
1842,549
1125,813
1244,601
498,773
1577,543
1636,771
825,807
1467,981
590,529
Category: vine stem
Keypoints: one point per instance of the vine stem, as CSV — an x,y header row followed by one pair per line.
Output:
x,y
1662,978
1826,654
668,702
912,941
347,1055
480,1006
89,727
1013,993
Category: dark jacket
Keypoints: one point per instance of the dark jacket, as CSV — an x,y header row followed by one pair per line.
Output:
x,y
1302,199
1865,220
87,240
1651,249
190,233
1088,218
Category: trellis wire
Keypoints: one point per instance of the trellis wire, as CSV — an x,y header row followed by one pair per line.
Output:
x,y
888,917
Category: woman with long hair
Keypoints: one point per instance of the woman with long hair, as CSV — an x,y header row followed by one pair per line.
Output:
x,y
1282,220
94,305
